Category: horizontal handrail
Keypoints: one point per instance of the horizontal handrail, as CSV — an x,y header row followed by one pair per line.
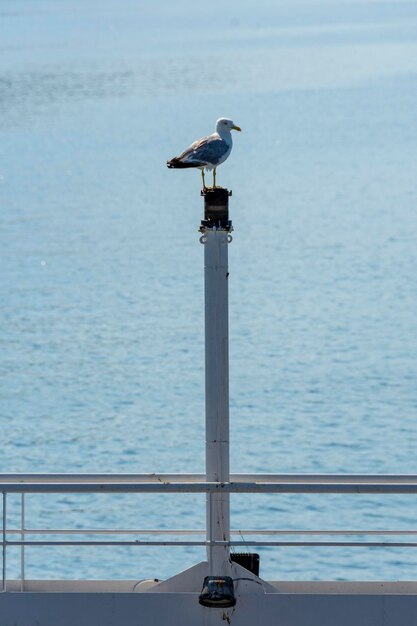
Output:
x,y
393,484
241,544
183,531
208,487
201,478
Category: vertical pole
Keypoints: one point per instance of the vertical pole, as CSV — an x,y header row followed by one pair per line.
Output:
x,y
4,539
22,547
216,237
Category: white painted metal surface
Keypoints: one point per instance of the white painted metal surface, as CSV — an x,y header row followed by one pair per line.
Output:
x,y
289,608
216,273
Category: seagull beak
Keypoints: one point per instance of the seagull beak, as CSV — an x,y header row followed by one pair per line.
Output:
x,y
236,128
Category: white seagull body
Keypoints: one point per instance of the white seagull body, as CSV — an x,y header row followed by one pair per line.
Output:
x,y
208,152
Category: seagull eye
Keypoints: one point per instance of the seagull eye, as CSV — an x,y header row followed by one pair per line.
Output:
x,y
225,123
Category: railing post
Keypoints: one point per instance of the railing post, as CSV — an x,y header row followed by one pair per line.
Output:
x,y
22,547
4,536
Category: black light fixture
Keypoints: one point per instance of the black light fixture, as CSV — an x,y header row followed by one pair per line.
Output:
x,y
217,592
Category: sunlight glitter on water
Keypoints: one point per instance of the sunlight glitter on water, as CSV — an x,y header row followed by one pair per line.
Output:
x,y
102,307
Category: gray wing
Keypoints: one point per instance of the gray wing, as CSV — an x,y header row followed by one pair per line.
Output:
x,y
207,150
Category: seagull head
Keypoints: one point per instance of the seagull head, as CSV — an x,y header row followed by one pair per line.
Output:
x,y
224,124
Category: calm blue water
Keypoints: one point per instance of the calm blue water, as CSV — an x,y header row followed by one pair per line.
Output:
x,y
101,269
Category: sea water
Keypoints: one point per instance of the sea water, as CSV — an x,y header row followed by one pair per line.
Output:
x,y
102,331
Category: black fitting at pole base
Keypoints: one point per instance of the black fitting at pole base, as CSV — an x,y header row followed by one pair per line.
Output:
x,y
218,592
216,208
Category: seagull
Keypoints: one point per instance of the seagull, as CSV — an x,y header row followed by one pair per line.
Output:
x,y
208,152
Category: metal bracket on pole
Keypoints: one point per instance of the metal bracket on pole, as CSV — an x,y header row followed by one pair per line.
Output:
x,y
216,209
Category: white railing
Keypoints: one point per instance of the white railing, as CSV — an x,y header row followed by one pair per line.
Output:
x,y
195,483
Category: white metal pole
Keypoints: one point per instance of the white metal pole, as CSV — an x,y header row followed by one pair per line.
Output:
x,y
216,237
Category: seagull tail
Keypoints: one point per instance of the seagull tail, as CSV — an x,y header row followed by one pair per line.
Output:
x,y
178,164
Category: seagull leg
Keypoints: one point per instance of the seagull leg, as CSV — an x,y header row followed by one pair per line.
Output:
x,y
204,182
214,178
